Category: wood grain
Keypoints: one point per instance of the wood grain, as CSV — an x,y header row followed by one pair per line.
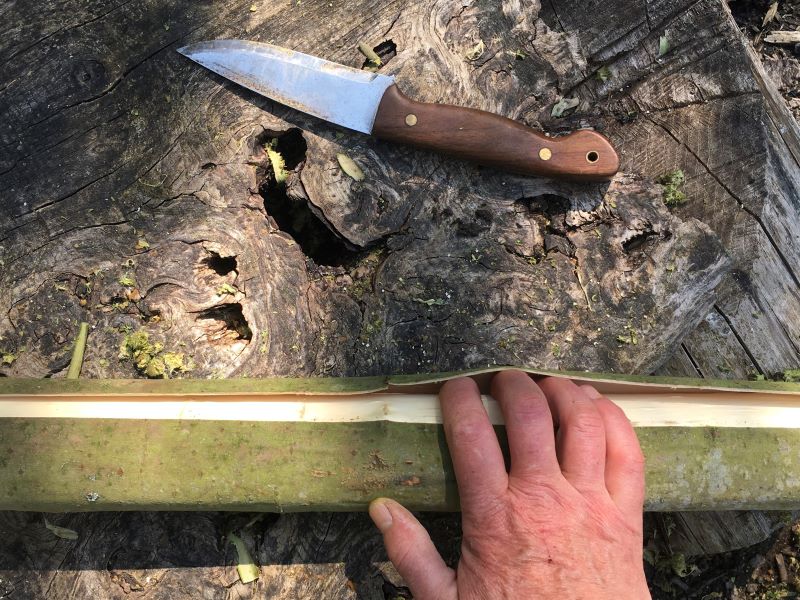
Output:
x,y
493,140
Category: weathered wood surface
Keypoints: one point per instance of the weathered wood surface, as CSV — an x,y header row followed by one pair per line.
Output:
x,y
109,137
182,555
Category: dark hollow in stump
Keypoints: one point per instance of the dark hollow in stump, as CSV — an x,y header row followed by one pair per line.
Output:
x,y
142,193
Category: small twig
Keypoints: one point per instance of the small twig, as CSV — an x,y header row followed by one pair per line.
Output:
x,y
583,288
372,57
782,572
77,354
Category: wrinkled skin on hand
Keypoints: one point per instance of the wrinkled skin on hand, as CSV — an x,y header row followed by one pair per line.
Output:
x,y
565,521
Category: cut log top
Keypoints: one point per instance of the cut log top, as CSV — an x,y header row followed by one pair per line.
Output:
x,y
139,196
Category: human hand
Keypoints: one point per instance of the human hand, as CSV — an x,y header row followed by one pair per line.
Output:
x,y
564,522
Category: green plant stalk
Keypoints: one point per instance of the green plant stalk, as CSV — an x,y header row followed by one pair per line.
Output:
x,y
349,385
76,363
50,464
83,464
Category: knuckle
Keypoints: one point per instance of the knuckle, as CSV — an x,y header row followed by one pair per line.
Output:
x,y
538,491
611,407
467,430
586,422
635,461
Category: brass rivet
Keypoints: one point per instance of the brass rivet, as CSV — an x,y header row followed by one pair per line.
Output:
x,y
592,157
545,154
411,120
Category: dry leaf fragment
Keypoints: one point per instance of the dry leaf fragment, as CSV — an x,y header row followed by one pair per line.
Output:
x,y
245,567
476,51
663,45
62,532
350,167
771,12
563,105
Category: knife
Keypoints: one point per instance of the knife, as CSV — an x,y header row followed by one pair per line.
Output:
x,y
371,103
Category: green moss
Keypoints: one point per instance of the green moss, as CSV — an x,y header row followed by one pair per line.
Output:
x,y
666,567
226,288
792,375
507,343
154,367
127,280
371,328
264,347
362,274
8,358
672,181
149,358
174,361
278,165
133,343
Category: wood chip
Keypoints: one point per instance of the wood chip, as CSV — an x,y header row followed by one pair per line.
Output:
x,y
563,105
64,533
783,37
782,572
773,10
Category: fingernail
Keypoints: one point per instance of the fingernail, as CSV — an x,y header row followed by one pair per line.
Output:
x,y
380,514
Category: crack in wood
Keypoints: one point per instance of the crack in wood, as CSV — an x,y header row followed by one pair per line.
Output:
x,y
742,205
739,339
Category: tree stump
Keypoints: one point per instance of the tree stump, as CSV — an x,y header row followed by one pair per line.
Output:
x,y
139,196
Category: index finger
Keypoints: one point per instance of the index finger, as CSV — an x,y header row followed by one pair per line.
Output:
x,y
477,459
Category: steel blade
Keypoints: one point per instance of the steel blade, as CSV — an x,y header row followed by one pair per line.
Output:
x,y
339,94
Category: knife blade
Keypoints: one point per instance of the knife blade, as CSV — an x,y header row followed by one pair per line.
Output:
x,y
371,103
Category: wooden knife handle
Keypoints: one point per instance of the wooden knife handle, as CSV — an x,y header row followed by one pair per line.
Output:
x,y
492,140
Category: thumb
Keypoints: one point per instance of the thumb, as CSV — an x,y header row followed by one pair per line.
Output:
x,y
412,552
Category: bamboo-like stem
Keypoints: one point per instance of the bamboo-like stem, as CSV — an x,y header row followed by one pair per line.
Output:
x,y
76,363
335,444
655,409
